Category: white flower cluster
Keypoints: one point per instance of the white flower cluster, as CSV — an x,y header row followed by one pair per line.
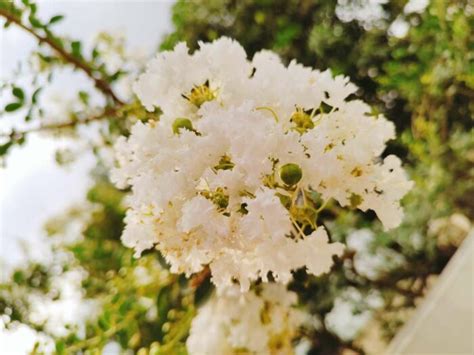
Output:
x,y
250,323
244,156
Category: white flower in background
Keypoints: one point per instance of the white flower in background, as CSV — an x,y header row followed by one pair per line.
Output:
x,y
21,338
257,322
450,231
351,312
58,108
243,159
372,261
69,309
122,62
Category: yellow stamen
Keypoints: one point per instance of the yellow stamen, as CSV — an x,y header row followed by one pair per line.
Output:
x,y
201,94
268,109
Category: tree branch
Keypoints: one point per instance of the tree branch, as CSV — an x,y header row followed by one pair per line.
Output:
x,y
50,127
390,281
80,64
200,277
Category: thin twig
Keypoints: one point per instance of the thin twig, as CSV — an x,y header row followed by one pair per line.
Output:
x,y
51,127
101,84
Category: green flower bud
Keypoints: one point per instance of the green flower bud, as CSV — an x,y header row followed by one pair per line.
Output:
x,y
290,174
182,123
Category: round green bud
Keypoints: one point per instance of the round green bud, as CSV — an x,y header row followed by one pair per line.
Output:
x,y
290,174
182,123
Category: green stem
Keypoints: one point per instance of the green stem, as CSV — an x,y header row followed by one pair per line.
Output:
x,y
323,205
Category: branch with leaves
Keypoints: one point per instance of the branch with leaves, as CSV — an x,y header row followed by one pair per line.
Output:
x,y
13,14
64,52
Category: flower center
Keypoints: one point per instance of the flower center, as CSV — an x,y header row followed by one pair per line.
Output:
x,y
200,94
218,197
302,120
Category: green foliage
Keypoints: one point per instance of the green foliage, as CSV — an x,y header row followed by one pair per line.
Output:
x,y
141,305
55,19
19,96
387,69
141,302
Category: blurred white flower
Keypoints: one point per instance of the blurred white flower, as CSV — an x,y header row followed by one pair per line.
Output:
x,y
451,230
351,312
69,309
372,261
259,322
22,338
58,108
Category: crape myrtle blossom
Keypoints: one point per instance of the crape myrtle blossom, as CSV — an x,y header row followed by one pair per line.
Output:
x,y
260,321
244,157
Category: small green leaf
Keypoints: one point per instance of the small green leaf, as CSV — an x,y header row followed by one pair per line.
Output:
x,y
5,147
35,22
45,58
33,8
13,106
18,277
84,97
17,92
76,48
122,338
95,53
34,98
60,347
116,75
104,320
58,41
55,19
125,307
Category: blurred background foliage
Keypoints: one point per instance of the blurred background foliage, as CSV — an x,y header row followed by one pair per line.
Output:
x,y
415,67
